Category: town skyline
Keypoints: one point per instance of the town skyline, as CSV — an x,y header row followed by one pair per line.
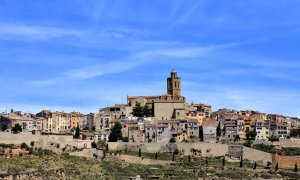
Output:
x,y
89,55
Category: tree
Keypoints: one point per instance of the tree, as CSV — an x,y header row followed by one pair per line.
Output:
x,y
273,138
172,140
173,157
77,133
25,146
252,134
223,162
4,127
189,158
241,162
32,143
295,133
106,147
219,130
140,152
17,128
276,167
237,138
116,133
247,136
125,139
146,111
138,111
201,133
296,167
254,167
94,145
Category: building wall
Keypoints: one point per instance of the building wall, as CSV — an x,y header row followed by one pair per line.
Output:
x,y
206,149
285,161
40,140
255,155
165,110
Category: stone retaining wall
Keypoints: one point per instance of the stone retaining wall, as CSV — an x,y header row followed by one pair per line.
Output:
x,y
286,161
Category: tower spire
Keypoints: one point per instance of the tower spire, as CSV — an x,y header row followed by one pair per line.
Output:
x,y
174,84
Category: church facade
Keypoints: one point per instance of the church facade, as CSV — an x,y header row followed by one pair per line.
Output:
x,y
168,106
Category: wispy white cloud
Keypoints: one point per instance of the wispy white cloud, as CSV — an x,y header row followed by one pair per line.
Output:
x,y
132,61
44,32
37,32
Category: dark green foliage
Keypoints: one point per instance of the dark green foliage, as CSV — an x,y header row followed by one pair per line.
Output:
x,y
273,138
285,151
139,111
252,134
173,157
146,111
94,145
32,143
296,167
276,167
201,133
206,160
295,133
125,139
17,128
254,166
248,143
116,133
172,140
4,127
156,155
25,146
265,148
237,138
219,130
223,161
57,146
289,151
77,133
241,162
106,147
140,152
189,158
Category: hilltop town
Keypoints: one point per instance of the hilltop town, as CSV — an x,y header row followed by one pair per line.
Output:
x,y
156,124
160,119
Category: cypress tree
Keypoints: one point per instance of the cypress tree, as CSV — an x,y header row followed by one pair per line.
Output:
x,y
173,158
223,162
156,155
189,158
106,147
296,167
241,162
254,167
206,161
140,152
276,167
77,133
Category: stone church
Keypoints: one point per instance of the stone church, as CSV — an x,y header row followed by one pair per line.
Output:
x,y
168,106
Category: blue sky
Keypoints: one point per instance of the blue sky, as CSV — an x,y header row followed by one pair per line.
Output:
x,y
86,54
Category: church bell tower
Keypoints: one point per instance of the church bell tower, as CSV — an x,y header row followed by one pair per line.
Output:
x,y
174,84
